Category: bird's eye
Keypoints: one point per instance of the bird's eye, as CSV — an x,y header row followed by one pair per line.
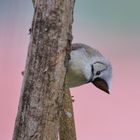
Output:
x,y
98,73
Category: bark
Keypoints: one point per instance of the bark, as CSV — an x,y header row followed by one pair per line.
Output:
x,y
42,94
67,125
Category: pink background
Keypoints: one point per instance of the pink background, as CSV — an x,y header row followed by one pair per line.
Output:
x,y
111,27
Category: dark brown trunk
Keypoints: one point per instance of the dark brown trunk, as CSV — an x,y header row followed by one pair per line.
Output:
x,y
42,94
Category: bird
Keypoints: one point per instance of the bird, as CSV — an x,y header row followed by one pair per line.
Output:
x,y
88,65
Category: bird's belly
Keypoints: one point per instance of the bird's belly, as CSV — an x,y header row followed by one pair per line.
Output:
x,y
75,78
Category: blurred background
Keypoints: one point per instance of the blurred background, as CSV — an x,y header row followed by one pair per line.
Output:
x,y
113,27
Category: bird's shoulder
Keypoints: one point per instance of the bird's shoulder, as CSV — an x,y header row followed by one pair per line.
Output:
x,y
90,51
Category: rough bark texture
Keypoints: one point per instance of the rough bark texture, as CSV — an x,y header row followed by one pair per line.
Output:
x,y
42,94
67,125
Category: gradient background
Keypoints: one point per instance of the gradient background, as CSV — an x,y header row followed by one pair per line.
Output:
x,y
113,27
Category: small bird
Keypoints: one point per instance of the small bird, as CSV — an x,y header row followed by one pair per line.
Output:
x,y
87,65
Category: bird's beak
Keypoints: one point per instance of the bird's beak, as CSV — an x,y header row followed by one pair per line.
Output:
x,y
101,84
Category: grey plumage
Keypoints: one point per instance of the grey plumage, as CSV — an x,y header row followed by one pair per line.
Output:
x,y
88,65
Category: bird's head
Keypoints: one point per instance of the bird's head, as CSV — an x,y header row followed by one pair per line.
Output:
x,y
101,75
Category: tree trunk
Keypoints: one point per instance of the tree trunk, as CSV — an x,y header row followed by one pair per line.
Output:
x,y
67,125
42,93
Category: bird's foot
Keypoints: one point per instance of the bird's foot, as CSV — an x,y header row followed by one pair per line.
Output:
x,y
72,98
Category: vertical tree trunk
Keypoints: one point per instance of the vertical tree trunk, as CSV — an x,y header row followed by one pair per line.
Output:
x,y
42,94
67,125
